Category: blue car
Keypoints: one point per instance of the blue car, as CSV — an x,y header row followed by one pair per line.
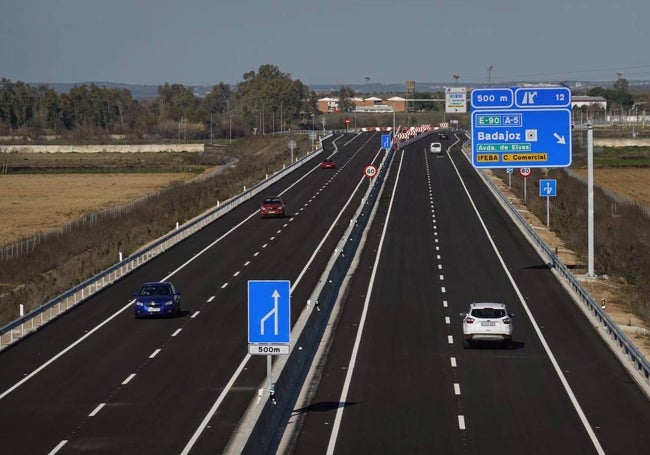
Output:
x,y
157,298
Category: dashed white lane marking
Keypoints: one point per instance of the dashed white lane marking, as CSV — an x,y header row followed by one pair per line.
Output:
x,y
439,266
450,339
456,389
236,273
196,313
256,253
246,263
96,410
453,362
265,245
176,332
444,303
154,353
211,299
438,256
461,422
223,286
127,380
447,320
272,238
442,277
278,231
443,289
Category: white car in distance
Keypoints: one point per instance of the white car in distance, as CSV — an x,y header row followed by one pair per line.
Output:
x,y
487,321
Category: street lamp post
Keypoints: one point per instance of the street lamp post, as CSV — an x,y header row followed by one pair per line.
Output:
x,y
489,74
456,76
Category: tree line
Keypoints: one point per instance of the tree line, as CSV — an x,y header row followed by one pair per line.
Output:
x,y
264,101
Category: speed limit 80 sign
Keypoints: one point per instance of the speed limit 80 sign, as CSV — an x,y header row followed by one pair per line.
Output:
x,y
370,171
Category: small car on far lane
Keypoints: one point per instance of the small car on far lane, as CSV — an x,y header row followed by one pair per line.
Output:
x,y
272,206
328,163
157,298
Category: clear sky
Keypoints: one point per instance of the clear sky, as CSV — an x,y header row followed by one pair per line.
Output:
x,y
204,42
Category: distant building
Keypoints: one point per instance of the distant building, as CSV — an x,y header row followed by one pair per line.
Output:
x,y
580,101
370,104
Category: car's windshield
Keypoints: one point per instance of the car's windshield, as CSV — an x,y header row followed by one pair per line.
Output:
x,y
158,289
272,201
488,313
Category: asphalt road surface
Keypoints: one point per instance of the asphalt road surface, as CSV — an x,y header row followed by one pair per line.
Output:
x,y
397,378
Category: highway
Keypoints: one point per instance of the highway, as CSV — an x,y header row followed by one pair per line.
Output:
x,y
397,378
97,380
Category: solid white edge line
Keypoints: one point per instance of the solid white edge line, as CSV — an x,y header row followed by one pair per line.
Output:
x,y
547,348
58,447
96,410
355,350
215,406
64,351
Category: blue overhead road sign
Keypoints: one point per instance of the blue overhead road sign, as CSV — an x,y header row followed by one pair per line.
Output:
x,y
521,127
269,311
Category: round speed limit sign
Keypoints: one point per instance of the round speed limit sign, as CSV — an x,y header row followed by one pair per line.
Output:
x,y
370,171
525,172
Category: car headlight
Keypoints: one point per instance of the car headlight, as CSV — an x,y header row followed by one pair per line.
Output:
x,y
138,303
169,302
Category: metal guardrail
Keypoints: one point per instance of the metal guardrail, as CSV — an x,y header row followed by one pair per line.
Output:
x,y
47,312
627,347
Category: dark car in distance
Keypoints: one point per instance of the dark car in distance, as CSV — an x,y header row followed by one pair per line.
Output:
x,y
272,206
157,298
443,135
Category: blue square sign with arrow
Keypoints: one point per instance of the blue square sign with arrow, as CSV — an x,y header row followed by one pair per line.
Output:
x,y
269,311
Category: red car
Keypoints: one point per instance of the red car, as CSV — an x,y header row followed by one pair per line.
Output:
x,y
328,163
272,206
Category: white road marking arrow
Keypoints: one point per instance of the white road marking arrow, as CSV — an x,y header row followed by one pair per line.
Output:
x,y
560,139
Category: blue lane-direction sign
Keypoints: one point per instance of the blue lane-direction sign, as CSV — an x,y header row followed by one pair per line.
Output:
x,y
548,187
531,128
386,141
269,311
540,97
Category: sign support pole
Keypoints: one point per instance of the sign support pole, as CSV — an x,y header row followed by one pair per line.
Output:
x,y
590,200
269,377
548,215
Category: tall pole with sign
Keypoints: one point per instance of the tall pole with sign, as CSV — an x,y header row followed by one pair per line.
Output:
x,y
548,189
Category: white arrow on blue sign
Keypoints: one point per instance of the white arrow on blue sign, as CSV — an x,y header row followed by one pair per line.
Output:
x,y
269,311
548,187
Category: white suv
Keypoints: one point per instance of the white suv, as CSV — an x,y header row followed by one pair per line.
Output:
x,y
487,322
